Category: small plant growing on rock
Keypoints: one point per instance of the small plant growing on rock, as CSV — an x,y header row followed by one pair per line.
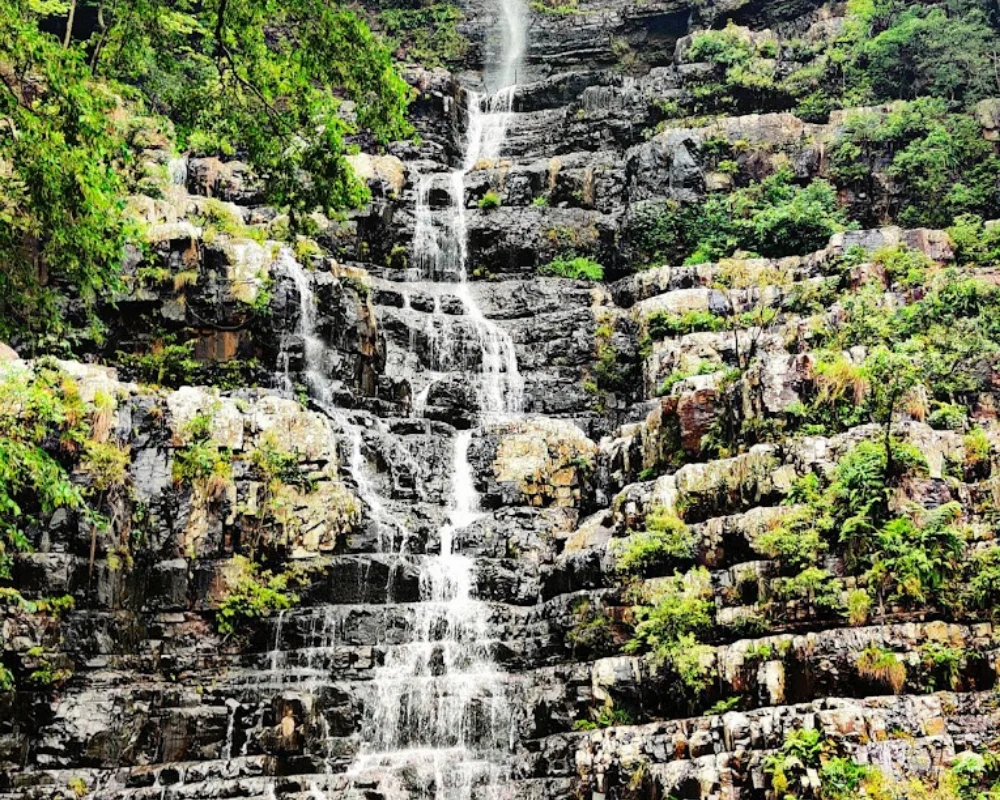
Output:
x,y
202,463
591,632
166,364
859,604
881,665
722,706
942,664
607,716
916,558
843,778
977,448
663,324
668,619
799,753
578,268
794,541
666,540
489,201
947,417
251,593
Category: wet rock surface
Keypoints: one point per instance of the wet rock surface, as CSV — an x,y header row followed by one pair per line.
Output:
x,y
152,701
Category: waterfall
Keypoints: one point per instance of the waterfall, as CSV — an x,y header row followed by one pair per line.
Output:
x,y
436,713
440,247
439,703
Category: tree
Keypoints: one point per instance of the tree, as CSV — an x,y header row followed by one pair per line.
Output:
x,y
61,192
890,375
266,80
905,50
262,78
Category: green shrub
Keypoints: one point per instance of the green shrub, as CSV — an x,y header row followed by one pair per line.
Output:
x,y
43,422
948,417
427,35
881,665
722,706
744,69
578,268
814,585
6,679
555,6
977,447
901,50
106,463
663,324
490,200
858,498
251,593
774,217
914,560
942,665
201,462
975,242
680,606
794,541
902,265
608,372
666,541
982,585
166,364
940,164
842,779
859,604
788,767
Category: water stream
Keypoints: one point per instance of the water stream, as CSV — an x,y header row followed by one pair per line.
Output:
x,y
438,722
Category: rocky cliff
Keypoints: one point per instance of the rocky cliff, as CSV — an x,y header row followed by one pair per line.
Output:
x,y
404,508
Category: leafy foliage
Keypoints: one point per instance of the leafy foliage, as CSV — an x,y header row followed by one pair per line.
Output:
x,y
907,49
667,623
774,217
490,200
201,462
251,593
940,165
799,752
43,425
62,192
663,324
427,34
264,79
579,268
666,540
916,557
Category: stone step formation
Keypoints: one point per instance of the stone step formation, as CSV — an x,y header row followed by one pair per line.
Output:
x,y
479,438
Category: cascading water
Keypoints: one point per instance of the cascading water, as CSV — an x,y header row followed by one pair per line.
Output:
x,y
440,704
438,722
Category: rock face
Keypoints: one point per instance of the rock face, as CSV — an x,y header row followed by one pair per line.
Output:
x,y
343,474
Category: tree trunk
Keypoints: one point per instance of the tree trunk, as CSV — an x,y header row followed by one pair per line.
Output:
x,y
69,24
